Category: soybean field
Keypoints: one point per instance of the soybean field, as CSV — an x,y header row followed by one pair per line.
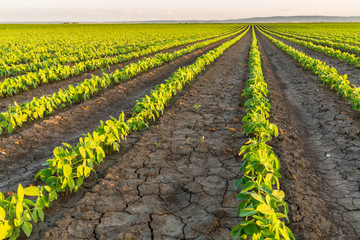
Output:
x,y
180,131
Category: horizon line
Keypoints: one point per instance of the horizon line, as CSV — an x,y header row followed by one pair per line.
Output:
x,y
182,20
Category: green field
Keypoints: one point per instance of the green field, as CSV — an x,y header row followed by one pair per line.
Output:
x,y
276,105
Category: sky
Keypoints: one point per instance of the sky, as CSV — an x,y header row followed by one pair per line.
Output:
x,y
140,10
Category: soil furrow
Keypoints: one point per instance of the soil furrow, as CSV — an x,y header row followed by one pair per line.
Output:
x,y
318,147
342,68
22,153
178,180
52,87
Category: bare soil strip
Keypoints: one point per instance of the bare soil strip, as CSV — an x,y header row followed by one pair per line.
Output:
x,y
341,67
52,87
22,153
177,181
318,147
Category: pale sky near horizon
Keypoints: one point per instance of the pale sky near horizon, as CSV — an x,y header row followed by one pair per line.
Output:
x,y
138,10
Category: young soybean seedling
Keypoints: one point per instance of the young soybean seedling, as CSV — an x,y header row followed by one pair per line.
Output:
x,y
196,107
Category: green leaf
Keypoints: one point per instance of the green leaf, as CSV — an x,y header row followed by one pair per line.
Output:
x,y
2,214
19,210
268,200
82,152
67,170
59,152
27,228
258,197
26,215
32,191
236,231
244,223
10,128
71,183
281,215
52,196
44,174
100,153
35,215
20,193
268,177
45,200
41,214
63,183
264,209
278,194
5,230
79,181
47,188
284,234
248,186
15,233
3,124
87,171
238,182
51,180
247,212
18,222
243,196
29,202
40,203
267,233
67,145
290,234
251,229
80,171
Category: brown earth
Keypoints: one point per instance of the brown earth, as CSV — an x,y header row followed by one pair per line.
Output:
x,y
23,152
178,180
318,148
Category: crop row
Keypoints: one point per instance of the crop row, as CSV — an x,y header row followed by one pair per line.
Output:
x,y
262,202
99,52
25,45
343,56
9,70
325,73
341,46
67,170
12,86
339,33
16,115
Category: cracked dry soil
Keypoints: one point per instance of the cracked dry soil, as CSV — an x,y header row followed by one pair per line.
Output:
x,y
178,180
